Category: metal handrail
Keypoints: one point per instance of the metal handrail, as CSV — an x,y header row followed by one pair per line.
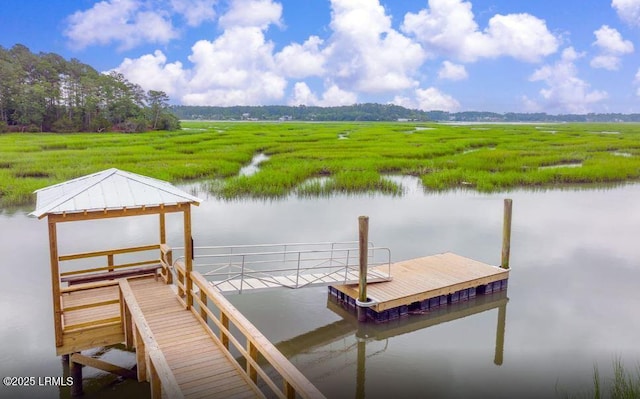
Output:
x,y
239,266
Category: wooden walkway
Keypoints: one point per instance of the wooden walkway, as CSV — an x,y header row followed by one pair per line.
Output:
x,y
421,279
200,367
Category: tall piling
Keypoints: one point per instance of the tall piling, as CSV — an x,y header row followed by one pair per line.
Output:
x,y
363,246
506,233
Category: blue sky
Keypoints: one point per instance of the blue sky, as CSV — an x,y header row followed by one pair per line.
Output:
x,y
570,56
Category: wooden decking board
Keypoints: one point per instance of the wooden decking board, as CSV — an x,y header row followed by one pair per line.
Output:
x,y
196,360
427,277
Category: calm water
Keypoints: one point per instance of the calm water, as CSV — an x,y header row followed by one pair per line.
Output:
x,y
573,294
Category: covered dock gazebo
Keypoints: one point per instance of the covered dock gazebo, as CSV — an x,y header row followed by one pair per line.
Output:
x,y
112,193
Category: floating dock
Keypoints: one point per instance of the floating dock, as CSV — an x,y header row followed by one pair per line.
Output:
x,y
421,284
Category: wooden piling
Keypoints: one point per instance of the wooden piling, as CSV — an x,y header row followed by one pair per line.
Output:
x,y
506,233
76,373
363,242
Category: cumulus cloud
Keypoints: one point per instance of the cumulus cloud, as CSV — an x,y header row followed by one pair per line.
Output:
x,y
153,71
252,13
611,46
451,71
238,67
195,12
628,10
302,60
448,28
365,53
127,22
430,99
565,91
333,96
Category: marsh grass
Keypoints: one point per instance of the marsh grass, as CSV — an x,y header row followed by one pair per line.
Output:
x,y
496,158
622,385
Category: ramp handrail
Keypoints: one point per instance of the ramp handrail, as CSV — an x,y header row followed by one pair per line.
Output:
x,y
335,260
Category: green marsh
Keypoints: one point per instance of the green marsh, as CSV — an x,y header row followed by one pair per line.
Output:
x,y
321,158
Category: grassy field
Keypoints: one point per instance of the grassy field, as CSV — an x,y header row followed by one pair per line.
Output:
x,y
350,157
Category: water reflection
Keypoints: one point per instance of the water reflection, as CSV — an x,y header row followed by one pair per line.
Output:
x,y
315,347
573,289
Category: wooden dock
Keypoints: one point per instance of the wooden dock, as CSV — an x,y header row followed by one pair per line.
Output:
x,y
424,283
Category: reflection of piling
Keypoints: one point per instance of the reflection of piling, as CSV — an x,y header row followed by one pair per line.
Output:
x,y
363,234
506,233
502,316
361,369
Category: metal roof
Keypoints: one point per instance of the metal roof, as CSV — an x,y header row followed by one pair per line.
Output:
x,y
109,189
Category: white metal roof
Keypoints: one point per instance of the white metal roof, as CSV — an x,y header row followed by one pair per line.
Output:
x,y
109,189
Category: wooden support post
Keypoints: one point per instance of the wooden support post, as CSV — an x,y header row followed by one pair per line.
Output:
x,y
127,323
154,381
203,312
163,229
253,354
110,262
223,335
363,246
55,281
506,233
141,358
502,318
289,390
76,373
188,256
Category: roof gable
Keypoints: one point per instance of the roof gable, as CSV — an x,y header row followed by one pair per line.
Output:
x,y
109,189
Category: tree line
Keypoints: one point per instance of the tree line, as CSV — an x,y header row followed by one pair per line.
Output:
x,y
380,112
46,93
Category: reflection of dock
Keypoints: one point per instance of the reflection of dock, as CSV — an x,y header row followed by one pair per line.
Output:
x,y
425,283
350,325
366,333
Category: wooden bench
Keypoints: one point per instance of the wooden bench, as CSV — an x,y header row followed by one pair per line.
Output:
x,y
111,275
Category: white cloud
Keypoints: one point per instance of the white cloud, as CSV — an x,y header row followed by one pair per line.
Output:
x,y
637,82
565,91
365,53
151,71
430,99
237,67
612,47
239,62
127,22
451,71
300,61
252,13
628,10
195,12
448,28
333,96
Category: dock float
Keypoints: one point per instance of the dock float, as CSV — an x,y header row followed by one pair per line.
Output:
x,y
421,284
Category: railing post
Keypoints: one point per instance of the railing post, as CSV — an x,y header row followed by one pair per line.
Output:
x,y
141,358
203,299
223,335
242,274
253,354
506,233
110,262
127,327
55,281
188,256
298,271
